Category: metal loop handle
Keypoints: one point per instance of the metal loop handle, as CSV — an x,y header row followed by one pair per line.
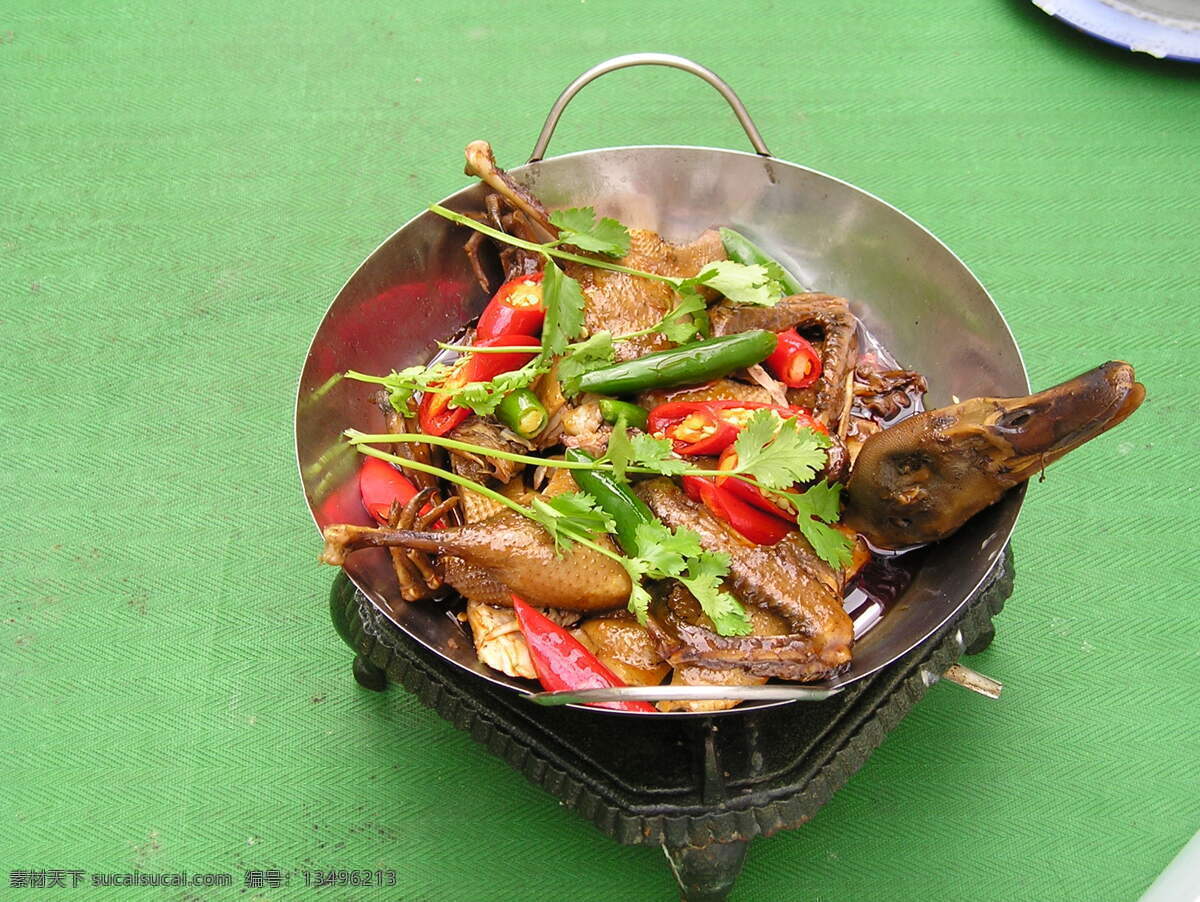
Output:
x,y
647,59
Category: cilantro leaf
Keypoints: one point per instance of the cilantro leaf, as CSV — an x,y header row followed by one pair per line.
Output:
x,y
682,323
639,600
578,226
570,516
592,354
563,300
705,574
779,457
777,273
620,449
832,546
822,501
742,283
401,385
664,553
656,454
484,397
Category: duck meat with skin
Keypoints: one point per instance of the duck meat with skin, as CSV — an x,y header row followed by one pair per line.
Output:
x,y
514,550
487,434
787,579
619,303
923,478
613,302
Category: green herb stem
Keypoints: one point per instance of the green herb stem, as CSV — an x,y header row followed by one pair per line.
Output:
x,y
483,490
360,438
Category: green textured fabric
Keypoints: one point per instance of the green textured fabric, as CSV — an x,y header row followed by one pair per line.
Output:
x,y
183,188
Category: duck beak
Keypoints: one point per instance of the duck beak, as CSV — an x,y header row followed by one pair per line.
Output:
x,y
1032,432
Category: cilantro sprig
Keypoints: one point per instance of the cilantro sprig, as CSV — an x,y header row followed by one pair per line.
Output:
x,y
563,299
575,518
579,227
764,466
571,514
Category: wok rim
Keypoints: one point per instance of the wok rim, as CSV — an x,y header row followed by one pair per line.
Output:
x,y
1014,498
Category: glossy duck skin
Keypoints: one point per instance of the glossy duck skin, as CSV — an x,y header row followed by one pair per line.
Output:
x,y
514,551
787,579
620,303
923,478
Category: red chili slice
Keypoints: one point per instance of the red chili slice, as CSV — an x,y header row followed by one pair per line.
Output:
x,y
561,661
752,524
746,492
693,427
380,484
435,413
709,427
794,362
515,309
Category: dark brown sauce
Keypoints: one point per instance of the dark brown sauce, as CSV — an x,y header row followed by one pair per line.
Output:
x,y
878,585
886,576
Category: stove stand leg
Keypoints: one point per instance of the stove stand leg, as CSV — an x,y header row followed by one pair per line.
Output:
x,y
368,675
706,873
343,607
982,641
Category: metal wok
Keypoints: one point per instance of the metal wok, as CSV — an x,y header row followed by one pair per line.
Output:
x,y
908,288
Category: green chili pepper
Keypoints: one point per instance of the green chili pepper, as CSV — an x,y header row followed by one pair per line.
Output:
x,y
689,364
522,412
741,249
613,410
615,498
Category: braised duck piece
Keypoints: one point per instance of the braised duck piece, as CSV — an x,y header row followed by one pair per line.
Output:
x,y
682,606
624,646
686,637
787,579
619,303
514,550
717,390
481,163
416,574
923,478
827,322
397,423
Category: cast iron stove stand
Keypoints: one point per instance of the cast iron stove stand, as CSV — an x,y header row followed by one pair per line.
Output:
x,y
701,787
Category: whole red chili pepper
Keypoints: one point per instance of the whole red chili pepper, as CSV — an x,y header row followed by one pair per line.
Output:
x,y
515,309
380,484
749,522
794,362
436,415
562,662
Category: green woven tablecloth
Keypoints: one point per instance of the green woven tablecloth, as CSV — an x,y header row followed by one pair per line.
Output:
x,y
184,187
